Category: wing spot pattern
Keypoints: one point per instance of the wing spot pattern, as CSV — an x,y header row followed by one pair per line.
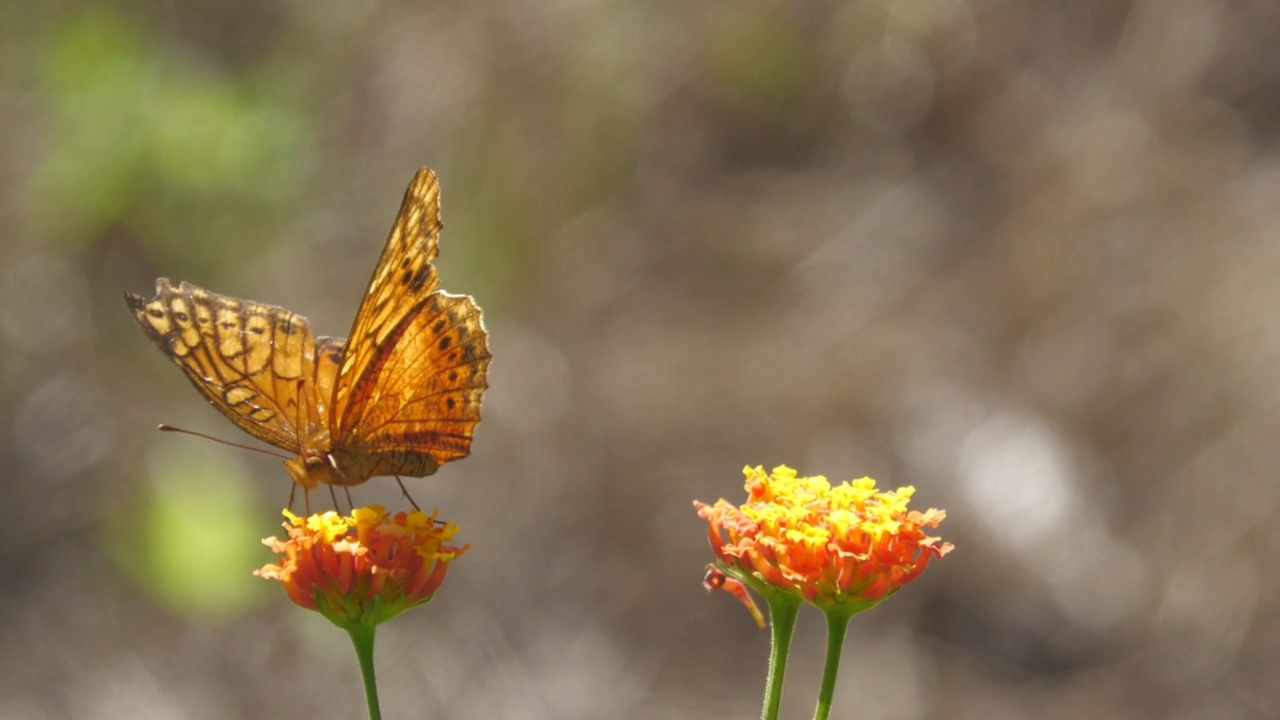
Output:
x,y
258,356
239,395
230,340
263,403
158,321
420,278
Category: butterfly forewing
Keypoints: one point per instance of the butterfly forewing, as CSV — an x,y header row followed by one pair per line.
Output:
x,y
254,362
408,395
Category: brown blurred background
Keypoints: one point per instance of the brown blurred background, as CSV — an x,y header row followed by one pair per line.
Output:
x,y
1021,256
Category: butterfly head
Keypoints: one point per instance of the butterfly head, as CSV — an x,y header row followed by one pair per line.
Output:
x,y
312,469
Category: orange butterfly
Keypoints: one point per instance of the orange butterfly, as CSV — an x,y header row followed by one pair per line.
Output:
x,y
400,397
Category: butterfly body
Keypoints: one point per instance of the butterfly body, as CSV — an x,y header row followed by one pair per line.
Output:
x,y
401,396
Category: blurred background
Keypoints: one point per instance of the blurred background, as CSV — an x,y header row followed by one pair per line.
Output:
x,y
1020,256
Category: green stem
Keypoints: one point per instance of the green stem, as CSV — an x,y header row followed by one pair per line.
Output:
x,y
362,638
783,611
837,625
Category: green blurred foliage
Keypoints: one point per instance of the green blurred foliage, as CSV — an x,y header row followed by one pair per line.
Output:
x,y
152,138
184,539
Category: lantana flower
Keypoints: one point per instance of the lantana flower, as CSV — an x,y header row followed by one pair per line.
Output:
x,y
843,549
829,545
362,570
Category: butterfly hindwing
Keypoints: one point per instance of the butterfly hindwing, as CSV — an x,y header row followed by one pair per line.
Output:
x,y
254,362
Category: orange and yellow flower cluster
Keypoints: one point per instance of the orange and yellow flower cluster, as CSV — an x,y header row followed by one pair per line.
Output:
x,y
364,569
848,544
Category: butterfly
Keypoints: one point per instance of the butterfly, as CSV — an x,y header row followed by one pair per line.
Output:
x,y
401,396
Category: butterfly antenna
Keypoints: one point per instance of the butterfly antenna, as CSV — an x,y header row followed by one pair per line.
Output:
x,y
170,428
404,491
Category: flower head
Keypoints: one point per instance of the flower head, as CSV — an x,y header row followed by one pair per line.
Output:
x,y
844,545
364,569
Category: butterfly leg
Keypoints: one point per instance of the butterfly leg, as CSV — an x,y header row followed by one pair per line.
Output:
x,y
334,497
350,503
306,498
405,492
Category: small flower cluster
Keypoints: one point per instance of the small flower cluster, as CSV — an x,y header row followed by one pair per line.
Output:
x,y
843,549
363,569
829,545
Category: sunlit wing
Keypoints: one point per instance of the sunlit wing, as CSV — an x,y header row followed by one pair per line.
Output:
x,y
255,363
407,396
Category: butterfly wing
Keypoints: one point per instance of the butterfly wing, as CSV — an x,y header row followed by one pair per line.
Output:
x,y
255,363
407,397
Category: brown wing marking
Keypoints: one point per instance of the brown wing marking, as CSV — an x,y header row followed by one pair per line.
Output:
x,y
428,405
403,277
255,363
408,396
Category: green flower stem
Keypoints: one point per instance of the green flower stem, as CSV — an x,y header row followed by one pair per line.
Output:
x,y
837,624
783,611
362,638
